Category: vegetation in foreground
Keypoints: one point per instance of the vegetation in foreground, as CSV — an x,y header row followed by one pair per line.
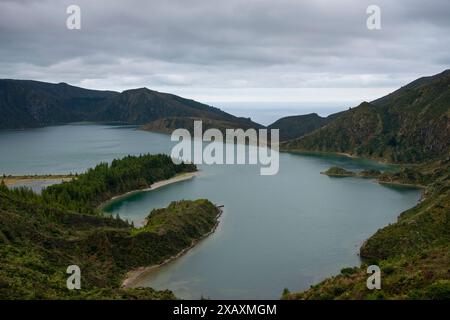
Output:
x,y
40,236
413,253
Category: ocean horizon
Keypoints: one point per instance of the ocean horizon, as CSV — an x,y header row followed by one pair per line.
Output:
x,y
267,113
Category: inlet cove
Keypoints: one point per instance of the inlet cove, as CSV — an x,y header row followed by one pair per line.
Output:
x,y
290,230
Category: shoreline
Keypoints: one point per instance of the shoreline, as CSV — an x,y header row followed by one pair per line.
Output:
x,y
423,189
133,276
177,178
375,179
12,180
344,154
401,184
339,174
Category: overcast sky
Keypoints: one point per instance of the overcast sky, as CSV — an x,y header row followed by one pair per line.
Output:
x,y
230,50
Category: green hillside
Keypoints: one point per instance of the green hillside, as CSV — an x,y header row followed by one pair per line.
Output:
x,y
408,126
41,236
413,253
26,103
297,126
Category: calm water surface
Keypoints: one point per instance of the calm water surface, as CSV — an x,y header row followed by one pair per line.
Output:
x,y
288,230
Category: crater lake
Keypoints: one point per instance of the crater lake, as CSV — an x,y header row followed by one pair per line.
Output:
x,y
289,230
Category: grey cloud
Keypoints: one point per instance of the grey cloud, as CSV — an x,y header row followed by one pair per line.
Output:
x,y
234,43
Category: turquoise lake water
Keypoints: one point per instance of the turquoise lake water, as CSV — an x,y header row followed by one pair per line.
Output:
x,y
288,230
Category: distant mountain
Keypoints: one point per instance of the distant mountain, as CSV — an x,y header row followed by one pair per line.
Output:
x,y
411,124
141,106
25,103
297,126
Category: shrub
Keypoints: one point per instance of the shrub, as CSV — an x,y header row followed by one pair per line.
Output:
x,y
348,271
439,290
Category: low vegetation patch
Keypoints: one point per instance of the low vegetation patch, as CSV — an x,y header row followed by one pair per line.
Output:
x,y
338,172
40,236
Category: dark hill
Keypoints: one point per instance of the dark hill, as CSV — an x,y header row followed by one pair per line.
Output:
x,y
297,126
26,103
411,124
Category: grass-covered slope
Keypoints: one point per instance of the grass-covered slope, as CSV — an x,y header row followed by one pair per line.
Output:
x,y
423,226
191,218
413,253
420,276
40,239
410,125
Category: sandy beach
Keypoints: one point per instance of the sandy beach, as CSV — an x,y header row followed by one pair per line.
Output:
x,y
12,180
177,178
154,186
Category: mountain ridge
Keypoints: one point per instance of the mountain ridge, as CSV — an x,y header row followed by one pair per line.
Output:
x,y
410,125
296,126
30,103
